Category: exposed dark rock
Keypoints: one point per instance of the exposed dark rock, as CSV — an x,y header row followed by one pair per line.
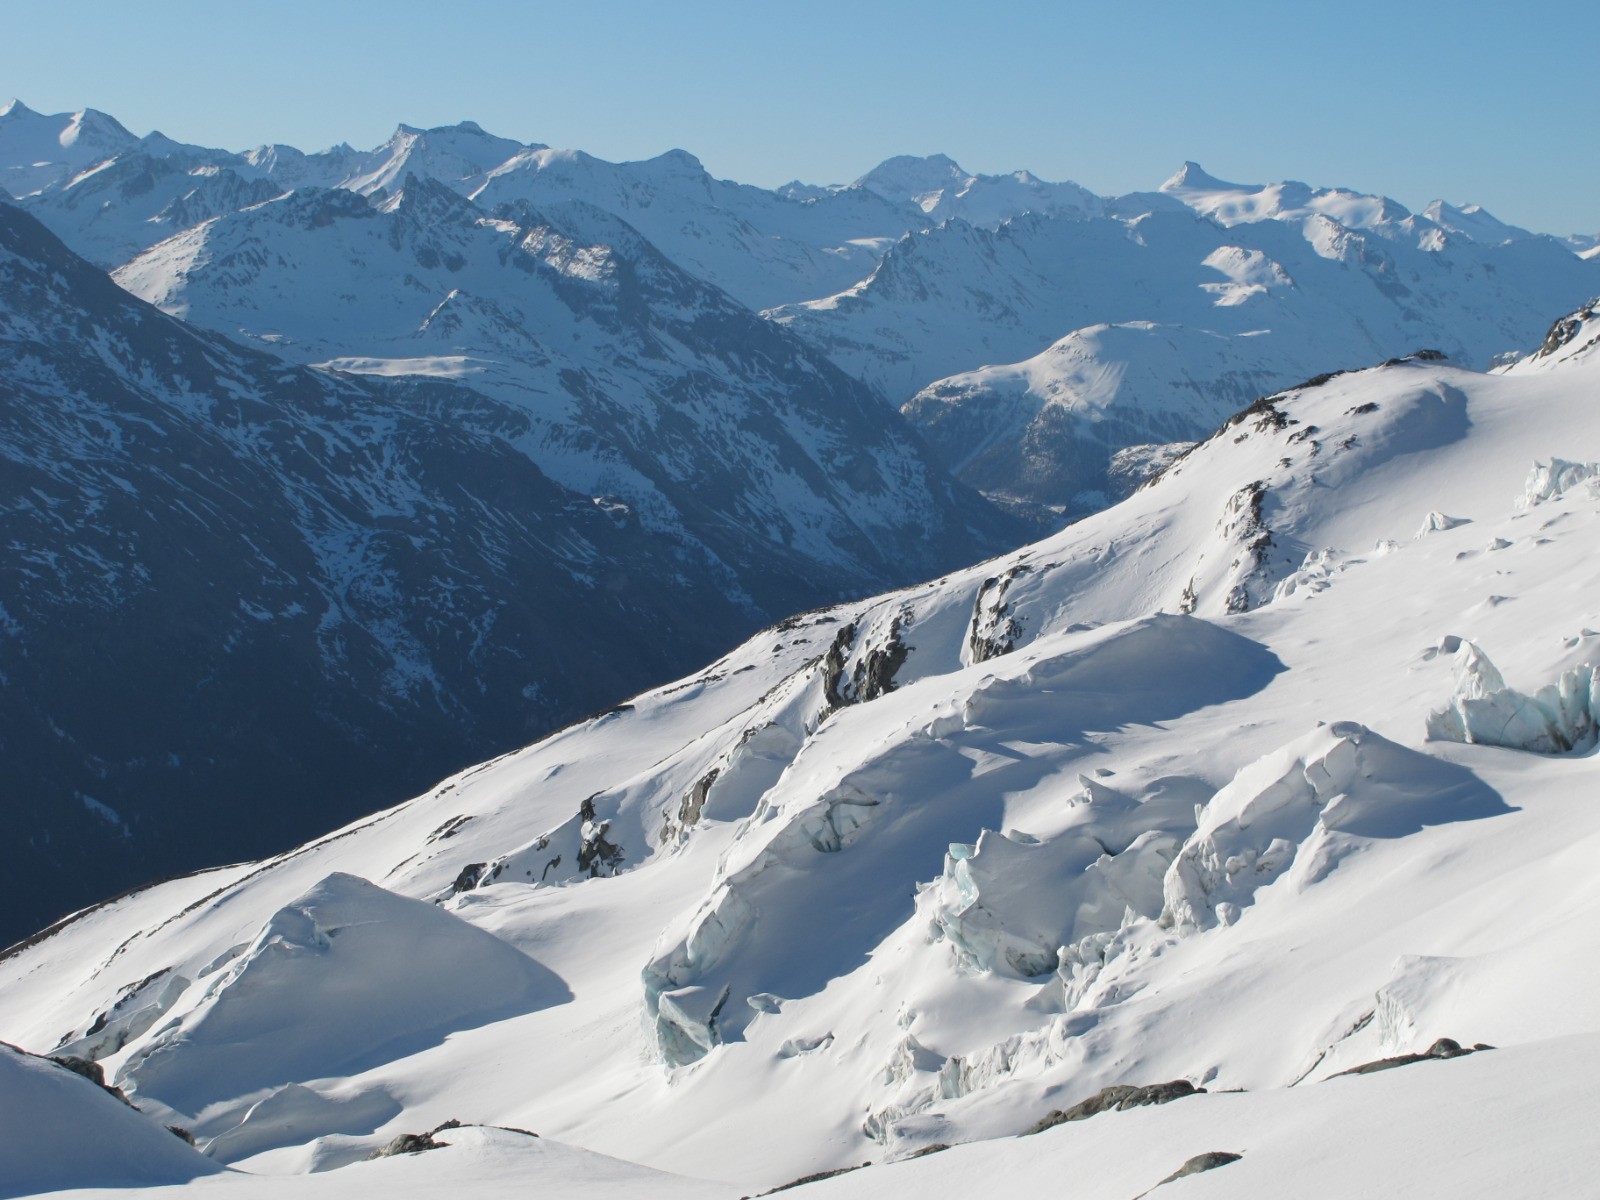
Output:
x,y
874,674
1566,330
1443,1048
1208,1161
414,1143
994,629
1246,526
1119,1096
469,878
794,1183
596,853
93,1072
695,800
835,687
930,1148
179,1131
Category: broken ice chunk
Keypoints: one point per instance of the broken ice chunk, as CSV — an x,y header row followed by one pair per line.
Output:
x,y
1436,522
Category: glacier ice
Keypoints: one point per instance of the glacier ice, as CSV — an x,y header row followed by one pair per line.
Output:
x,y
1484,711
1554,479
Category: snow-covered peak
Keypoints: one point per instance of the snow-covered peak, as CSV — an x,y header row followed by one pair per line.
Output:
x,y
938,187
1474,221
677,160
914,178
1290,201
38,151
95,128
1192,177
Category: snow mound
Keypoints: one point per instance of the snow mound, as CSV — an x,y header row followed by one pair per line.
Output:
x,y
61,1131
346,976
1557,718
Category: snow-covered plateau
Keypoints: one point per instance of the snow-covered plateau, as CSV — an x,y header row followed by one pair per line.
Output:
x,y
1262,798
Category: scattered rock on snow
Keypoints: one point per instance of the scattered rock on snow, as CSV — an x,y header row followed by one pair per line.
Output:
x,y
1119,1096
414,1143
1443,1048
1208,1161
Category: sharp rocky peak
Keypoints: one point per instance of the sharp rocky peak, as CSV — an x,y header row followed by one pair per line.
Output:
x,y
1193,177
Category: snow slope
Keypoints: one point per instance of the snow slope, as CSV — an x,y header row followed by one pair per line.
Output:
x,y
1150,800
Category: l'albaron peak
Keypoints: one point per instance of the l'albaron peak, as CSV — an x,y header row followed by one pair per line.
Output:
x,y
1244,809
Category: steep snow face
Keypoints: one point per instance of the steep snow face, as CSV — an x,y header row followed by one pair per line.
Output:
x,y
1153,799
645,387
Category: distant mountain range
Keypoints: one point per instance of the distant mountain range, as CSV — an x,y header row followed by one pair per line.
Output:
x,y
498,397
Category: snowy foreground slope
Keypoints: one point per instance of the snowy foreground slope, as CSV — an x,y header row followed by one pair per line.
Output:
x,y
1280,767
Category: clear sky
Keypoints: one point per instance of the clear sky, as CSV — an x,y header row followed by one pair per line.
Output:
x,y
1468,100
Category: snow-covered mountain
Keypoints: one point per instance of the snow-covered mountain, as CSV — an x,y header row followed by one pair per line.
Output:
x,y
1266,287
1273,772
773,471
940,188
120,207
242,589
955,297
1065,427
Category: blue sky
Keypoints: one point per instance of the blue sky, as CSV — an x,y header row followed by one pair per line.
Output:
x,y
1466,100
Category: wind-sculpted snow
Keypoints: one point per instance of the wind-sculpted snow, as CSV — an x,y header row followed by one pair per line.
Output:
x,y
346,976
64,1132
